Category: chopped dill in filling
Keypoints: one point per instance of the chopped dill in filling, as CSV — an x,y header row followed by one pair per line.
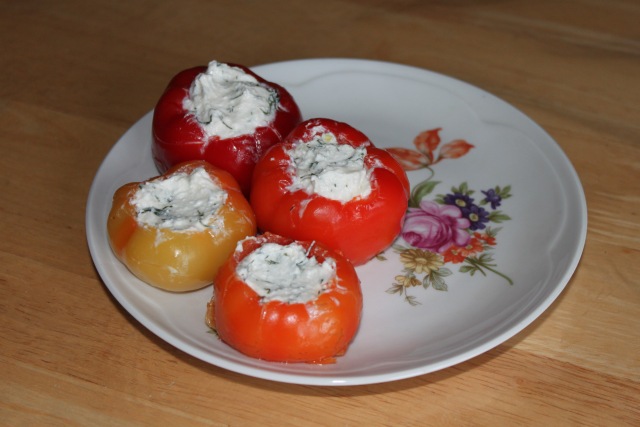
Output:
x,y
285,273
227,102
323,166
181,202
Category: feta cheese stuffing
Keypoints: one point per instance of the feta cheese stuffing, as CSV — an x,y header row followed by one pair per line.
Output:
x,y
285,273
227,102
323,166
181,202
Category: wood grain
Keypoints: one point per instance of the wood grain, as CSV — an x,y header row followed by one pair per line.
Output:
x,y
76,75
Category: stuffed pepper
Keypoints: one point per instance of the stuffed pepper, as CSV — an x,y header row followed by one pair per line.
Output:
x,y
224,114
174,231
283,300
328,182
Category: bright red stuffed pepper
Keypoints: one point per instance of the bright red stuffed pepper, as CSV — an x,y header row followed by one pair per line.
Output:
x,y
224,114
282,300
328,182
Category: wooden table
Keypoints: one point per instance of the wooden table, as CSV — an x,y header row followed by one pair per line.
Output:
x,y
77,74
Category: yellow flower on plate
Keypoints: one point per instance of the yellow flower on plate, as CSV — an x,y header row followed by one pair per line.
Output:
x,y
420,261
407,281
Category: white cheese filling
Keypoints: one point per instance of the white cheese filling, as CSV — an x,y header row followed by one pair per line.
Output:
x,y
285,273
227,102
328,169
181,202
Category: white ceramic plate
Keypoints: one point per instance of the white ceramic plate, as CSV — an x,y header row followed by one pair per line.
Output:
x,y
538,248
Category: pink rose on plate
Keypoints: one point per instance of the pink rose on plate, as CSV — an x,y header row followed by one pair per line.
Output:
x,y
435,227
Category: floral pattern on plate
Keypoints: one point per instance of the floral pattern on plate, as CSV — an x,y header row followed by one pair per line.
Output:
x,y
455,228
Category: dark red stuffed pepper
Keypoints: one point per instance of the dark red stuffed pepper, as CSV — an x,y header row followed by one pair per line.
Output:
x,y
224,114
